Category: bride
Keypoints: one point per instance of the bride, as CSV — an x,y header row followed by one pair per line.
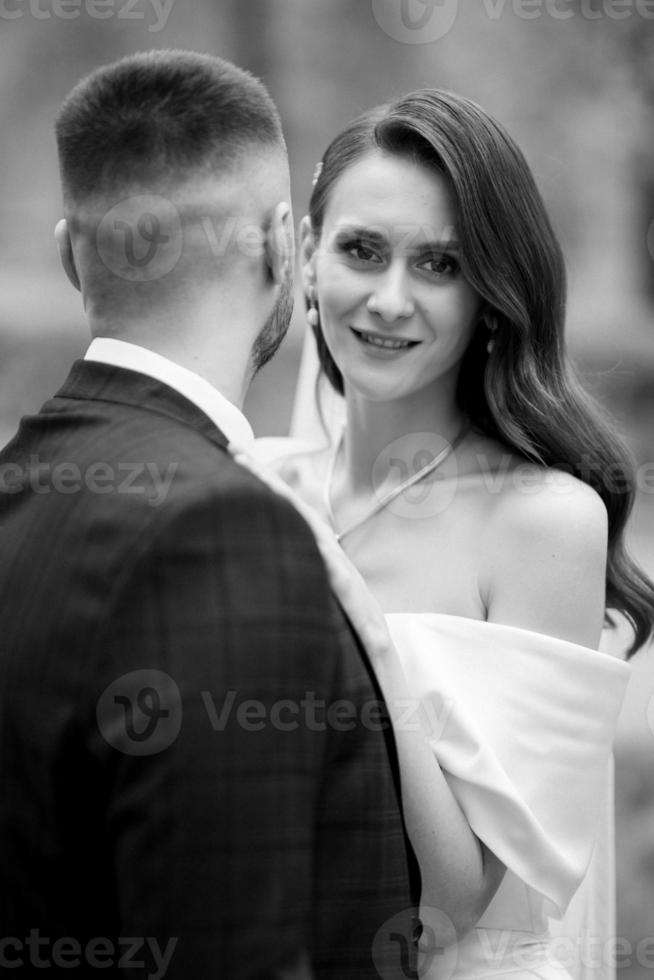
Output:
x,y
477,492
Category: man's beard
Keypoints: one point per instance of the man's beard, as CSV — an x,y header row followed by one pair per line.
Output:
x,y
274,329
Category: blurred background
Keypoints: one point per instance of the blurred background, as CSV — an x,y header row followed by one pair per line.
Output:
x,y
573,80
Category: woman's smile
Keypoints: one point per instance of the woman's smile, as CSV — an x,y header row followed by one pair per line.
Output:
x,y
379,344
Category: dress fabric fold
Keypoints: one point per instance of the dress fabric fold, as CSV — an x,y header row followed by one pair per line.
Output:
x,y
523,725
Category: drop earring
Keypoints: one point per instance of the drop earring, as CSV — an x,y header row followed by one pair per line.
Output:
x,y
492,327
313,317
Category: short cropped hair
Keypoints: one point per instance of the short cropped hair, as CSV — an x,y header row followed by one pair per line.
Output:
x,y
161,114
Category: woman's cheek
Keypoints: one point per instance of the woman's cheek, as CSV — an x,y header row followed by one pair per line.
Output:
x,y
339,288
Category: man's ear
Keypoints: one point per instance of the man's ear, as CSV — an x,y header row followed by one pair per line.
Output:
x,y
280,244
308,254
65,246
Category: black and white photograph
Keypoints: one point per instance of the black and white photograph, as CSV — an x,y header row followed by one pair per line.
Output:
x,y
327,489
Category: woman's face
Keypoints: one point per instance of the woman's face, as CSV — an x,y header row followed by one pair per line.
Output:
x,y
396,312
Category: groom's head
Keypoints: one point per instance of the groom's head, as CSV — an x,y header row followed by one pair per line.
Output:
x,y
176,189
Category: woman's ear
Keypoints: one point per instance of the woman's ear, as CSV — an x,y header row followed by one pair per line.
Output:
x,y
308,247
280,244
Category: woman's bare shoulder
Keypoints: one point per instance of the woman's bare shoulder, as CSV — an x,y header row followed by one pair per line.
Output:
x,y
544,548
523,495
542,499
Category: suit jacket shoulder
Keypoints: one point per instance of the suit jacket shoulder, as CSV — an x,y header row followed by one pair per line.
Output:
x,y
170,655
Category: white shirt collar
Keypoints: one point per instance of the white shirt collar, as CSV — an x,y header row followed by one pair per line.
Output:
x,y
224,414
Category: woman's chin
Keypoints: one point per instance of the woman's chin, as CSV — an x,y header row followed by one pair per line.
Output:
x,y
375,389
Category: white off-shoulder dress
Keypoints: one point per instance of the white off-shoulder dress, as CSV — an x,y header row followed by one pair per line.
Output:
x,y
522,726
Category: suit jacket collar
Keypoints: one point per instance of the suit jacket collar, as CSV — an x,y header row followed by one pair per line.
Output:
x,y
94,381
133,357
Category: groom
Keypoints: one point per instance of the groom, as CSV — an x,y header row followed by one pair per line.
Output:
x,y
198,779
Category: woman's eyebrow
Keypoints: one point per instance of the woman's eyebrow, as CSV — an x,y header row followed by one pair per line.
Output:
x,y
373,235
376,236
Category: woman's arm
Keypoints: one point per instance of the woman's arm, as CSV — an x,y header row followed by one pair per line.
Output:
x,y
544,570
460,874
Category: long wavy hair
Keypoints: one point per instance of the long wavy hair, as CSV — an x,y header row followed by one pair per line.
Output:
x,y
524,392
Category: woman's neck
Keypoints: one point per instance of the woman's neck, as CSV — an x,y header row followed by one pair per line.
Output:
x,y
383,439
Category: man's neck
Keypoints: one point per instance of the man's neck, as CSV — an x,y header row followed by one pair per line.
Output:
x,y
224,366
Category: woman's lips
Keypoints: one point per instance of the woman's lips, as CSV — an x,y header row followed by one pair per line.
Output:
x,y
378,342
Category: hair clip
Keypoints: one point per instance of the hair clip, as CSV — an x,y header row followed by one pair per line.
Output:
x,y
316,174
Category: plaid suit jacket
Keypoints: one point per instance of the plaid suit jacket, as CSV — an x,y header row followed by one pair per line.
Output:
x,y
194,755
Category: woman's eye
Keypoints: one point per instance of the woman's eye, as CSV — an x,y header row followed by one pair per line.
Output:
x,y
361,252
440,265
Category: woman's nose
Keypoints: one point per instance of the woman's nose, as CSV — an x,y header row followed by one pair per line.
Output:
x,y
391,299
